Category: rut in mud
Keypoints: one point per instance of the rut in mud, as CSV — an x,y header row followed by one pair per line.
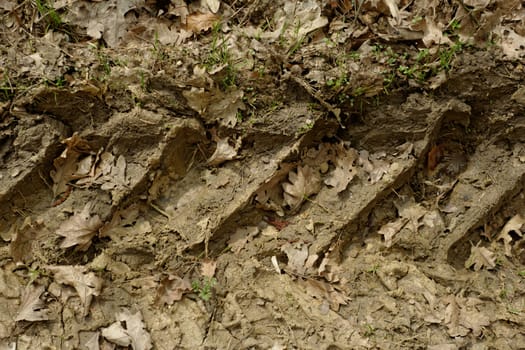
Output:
x,y
255,177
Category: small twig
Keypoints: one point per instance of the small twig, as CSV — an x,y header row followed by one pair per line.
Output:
x,y
160,211
317,96
317,203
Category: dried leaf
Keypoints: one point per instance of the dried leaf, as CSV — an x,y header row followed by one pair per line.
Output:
x,y
480,257
390,229
394,10
344,169
32,308
213,5
478,4
80,229
180,9
325,291
22,244
215,105
375,168
302,184
124,224
241,237
224,151
91,342
297,256
86,284
104,19
198,22
171,289
208,268
270,195
512,43
432,32
135,329
407,208
461,316
516,225
116,334
66,164
117,175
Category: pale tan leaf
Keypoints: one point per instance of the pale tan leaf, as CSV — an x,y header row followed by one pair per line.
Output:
x,y
124,224
432,32
344,171
275,264
241,237
135,329
32,308
86,284
302,184
91,341
462,316
270,195
180,9
407,208
297,256
215,105
213,5
478,4
80,229
375,168
224,151
198,22
512,44
171,289
516,225
480,257
394,10
66,164
208,268
325,291
22,244
390,229
116,334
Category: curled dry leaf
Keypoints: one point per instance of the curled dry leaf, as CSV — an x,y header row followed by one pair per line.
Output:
x,y
480,257
80,229
86,284
129,329
32,308
198,22
270,195
517,225
390,229
171,289
297,257
179,8
215,105
409,209
375,168
511,42
224,151
302,184
66,167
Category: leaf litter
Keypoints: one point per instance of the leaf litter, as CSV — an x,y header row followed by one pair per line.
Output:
x,y
86,284
405,287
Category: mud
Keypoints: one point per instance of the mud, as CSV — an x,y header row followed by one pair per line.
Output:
x,y
304,200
